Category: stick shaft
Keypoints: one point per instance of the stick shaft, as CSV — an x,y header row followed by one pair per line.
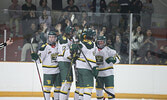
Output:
x,y
39,76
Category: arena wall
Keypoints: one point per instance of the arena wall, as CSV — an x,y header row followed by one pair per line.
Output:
x,y
18,79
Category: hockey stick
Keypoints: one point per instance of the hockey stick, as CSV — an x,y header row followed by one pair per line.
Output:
x,y
95,77
39,76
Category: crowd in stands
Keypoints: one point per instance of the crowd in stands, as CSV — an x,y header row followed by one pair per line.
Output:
x,y
109,19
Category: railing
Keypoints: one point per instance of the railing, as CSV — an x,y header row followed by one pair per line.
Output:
x,y
120,30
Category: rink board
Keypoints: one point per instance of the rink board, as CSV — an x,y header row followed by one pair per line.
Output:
x,y
131,81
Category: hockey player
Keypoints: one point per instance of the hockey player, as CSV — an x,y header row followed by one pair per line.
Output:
x,y
64,63
85,76
105,58
48,57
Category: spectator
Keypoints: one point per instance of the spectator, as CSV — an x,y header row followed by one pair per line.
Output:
x,y
135,59
57,29
163,55
45,19
99,6
103,31
32,16
71,7
124,51
84,16
28,15
44,30
43,6
84,5
77,31
113,7
149,58
137,39
84,25
109,43
14,17
136,7
27,46
117,44
63,17
147,11
149,43
28,6
125,8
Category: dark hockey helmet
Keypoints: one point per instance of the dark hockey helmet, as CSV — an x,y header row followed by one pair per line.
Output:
x,y
68,31
52,33
88,34
101,42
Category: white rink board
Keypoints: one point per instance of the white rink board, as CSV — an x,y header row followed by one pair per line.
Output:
x,y
145,79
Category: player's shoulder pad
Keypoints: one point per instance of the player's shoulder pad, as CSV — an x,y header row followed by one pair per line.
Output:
x,y
110,47
43,46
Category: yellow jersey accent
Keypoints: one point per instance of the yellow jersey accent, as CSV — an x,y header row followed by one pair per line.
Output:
x,y
63,92
48,86
64,38
87,93
49,66
62,54
109,87
87,59
102,69
99,89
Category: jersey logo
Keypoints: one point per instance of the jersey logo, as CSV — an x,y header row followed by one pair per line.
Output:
x,y
99,60
54,57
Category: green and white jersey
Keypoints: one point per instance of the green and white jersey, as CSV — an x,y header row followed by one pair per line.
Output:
x,y
63,46
88,49
101,55
48,57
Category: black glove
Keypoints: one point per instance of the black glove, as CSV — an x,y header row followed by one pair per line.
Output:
x,y
95,71
75,52
111,59
34,56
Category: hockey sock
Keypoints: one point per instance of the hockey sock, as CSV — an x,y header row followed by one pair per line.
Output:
x,y
87,93
56,93
47,96
81,94
99,94
76,95
111,90
47,92
64,91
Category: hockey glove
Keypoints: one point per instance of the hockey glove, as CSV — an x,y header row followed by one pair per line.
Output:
x,y
75,52
95,71
111,59
34,56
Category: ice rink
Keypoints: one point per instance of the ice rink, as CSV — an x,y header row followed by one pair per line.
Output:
x,y
40,98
